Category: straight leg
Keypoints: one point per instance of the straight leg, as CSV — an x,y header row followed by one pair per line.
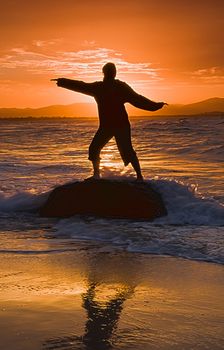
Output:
x,y
96,169
136,165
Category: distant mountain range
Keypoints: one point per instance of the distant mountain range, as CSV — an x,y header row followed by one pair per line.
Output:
x,y
211,106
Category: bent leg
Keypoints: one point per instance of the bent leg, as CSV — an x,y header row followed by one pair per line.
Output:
x,y
136,165
128,154
99,141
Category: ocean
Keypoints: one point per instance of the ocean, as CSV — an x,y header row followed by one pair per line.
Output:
x,y
181,157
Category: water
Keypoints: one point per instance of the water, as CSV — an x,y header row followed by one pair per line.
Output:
x,y
181,157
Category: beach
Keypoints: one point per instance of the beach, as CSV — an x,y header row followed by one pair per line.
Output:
x,y
97,283
98,298
112,175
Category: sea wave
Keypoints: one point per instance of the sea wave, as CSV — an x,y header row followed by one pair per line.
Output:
x,y
193,228
203,243
22,201
184,205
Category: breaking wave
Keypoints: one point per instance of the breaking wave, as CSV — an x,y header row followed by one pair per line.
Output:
x,y
183,204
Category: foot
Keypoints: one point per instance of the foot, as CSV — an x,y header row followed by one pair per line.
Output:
x,y
140,179
93,177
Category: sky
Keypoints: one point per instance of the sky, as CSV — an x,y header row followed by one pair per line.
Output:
x,y
170,51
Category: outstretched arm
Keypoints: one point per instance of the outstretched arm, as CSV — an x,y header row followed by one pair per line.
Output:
x,y
142,102
77,85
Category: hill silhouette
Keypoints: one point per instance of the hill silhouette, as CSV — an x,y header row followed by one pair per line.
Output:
x,y
211,105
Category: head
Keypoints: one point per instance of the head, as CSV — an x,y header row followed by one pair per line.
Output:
x,y
109,70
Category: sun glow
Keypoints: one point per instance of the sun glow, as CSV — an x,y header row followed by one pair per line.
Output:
x,y
111,163
169,57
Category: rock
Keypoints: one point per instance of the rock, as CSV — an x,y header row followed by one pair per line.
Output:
x,y
104,198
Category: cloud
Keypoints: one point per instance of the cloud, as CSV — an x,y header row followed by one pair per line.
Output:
x,y
87,43
46,43
86,63
214,75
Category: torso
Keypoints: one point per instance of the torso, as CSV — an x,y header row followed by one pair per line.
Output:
x,y
110,98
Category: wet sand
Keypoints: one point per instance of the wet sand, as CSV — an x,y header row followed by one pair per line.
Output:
x,y
92,298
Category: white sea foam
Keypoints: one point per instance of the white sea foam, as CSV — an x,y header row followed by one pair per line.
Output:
x,y
21,201
192,242
192,229
183,204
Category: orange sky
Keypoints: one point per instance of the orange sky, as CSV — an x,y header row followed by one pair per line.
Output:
x,y
167,50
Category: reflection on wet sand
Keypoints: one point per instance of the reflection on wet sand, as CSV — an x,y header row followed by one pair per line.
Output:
x,y
103,303
91,299
102,320
102,317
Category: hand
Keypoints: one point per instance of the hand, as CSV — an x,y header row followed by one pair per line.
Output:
x,y
59,81
160,105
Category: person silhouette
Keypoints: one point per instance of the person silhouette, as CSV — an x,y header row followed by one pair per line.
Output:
x,y
103,318
111,94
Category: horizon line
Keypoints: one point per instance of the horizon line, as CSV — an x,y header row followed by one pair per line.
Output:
x,y
94,103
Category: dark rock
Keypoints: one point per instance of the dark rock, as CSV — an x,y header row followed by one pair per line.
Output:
x,y
105,198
